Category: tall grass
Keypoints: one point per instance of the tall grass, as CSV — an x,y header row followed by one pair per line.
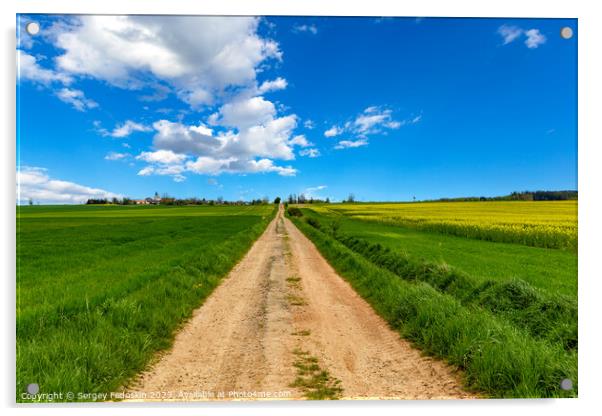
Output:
x,y
103,319
545,316
498,358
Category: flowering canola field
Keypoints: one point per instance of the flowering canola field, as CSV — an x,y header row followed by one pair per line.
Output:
x,y
550,224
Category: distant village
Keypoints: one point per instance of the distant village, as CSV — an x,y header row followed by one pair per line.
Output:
x,y
168,200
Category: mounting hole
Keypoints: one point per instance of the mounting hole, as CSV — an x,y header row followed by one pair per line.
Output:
x,y
566,384
33,28
566,32
33,388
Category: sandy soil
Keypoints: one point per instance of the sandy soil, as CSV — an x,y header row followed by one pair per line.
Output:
x,y
241,344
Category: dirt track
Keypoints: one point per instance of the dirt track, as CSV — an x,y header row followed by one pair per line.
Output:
x,y
283,302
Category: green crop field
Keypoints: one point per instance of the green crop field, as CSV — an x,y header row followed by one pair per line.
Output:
x,y
489,286
550,224
102,288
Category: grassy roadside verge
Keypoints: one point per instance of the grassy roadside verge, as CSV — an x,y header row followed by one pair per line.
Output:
x,y
498,358
107,326
545,316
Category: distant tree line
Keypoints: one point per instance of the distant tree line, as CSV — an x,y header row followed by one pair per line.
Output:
x,y
521,196
168,200
302,199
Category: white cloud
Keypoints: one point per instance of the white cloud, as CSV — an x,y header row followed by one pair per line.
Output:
x,y
333,131
166,157
198,56
148,170
309,124
344,144
202,129
373,120
116,156
244,113
314,191
312,152
76,98
128,128
203,61
181,138
251,130
212,166
509,33
29,69
35,184
249,148
306,28
300,140
534,38
275,85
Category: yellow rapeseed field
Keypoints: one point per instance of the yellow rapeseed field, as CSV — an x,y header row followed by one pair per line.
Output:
x,y
551,224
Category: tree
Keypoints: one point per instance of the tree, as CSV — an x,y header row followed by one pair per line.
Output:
x,y
30,202
351,198
277,200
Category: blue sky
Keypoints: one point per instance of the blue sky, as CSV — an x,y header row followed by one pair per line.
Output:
x,y
386,109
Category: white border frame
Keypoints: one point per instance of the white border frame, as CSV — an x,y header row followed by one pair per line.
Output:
x,y
590,134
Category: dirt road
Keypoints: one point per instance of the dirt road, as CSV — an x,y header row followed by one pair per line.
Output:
x,y
284,325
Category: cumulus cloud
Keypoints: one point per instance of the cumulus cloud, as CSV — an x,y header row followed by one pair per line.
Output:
x,y
246,112
252,138
76,98
34,183
275,85
199,57
166,157
204,61
510,33
534,38
29,69
305,29
213,166
333,131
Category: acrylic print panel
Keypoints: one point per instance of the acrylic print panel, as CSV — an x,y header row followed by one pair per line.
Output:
x,y
283,208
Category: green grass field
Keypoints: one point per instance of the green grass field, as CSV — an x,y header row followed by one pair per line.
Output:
x,y
551,270
101,288
504,312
